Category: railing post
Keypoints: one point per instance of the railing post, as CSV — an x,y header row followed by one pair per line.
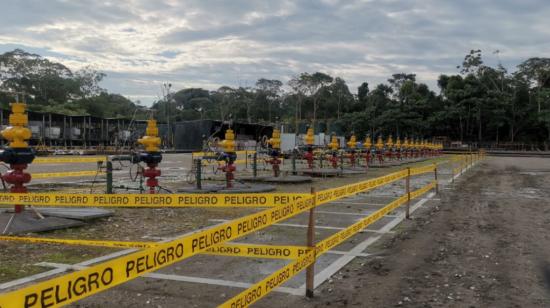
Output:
x,y
408,188
436,182
294,163
255,165
342,162
109,170
198,173
310,270
246,159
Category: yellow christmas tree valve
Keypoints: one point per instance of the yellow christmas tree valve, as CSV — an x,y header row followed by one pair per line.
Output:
x,y
368,143
405,143
389,142
228,144
333,145
352,143
17,133
275,140
398,143
379,143
310,137
151,141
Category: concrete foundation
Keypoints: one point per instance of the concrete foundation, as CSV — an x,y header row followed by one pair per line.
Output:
x,y
29,221
84,214
321,172
236,189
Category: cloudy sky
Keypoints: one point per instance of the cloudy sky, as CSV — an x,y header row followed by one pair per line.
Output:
x,y
141,44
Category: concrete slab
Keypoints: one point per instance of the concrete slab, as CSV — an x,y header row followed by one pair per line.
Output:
x,y
284,179
85,214
28,221
321,172
237,189
356,170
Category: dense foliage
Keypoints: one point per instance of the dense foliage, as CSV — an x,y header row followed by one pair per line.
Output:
x,y
480,103
52,87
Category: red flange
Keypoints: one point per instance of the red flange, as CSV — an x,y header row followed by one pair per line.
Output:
x,y
275,162
309,158
17,177
151,173
229,170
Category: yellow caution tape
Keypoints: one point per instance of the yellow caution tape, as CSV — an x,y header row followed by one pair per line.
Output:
x,y
74,286
258,251
261,289
339,237
115,244
151,200
421,170
230,249
221,162
278,278
329,195
47,175
64,160
201,154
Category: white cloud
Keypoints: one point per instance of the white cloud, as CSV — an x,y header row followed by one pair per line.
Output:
x,y
140,44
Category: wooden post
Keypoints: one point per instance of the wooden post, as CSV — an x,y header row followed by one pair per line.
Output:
x,y
408,188
109,168
436,182
310,270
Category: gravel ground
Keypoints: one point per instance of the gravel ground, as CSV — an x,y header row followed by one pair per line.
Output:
x,y
486,244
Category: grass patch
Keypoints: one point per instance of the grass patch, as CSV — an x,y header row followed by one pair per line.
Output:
x,y
14,270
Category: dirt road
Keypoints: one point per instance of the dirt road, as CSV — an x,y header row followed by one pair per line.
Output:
x,y
486,244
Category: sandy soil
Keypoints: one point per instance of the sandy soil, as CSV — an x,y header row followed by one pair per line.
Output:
x,y
485,245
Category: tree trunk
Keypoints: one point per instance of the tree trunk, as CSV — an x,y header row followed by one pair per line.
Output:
x,y
479,124
314,111
269,111
461,128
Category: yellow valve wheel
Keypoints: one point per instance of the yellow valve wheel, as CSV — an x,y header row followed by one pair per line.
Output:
x,y
368,142
333,145
310,137
379,143
228,144
352,143
389,143
17,132
275,140
151,141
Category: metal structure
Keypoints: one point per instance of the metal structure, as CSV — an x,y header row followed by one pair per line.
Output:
x,y
151,156
275,151
309,140
17,154
229,156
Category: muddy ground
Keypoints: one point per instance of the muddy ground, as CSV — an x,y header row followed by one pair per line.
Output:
x,y
486,244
